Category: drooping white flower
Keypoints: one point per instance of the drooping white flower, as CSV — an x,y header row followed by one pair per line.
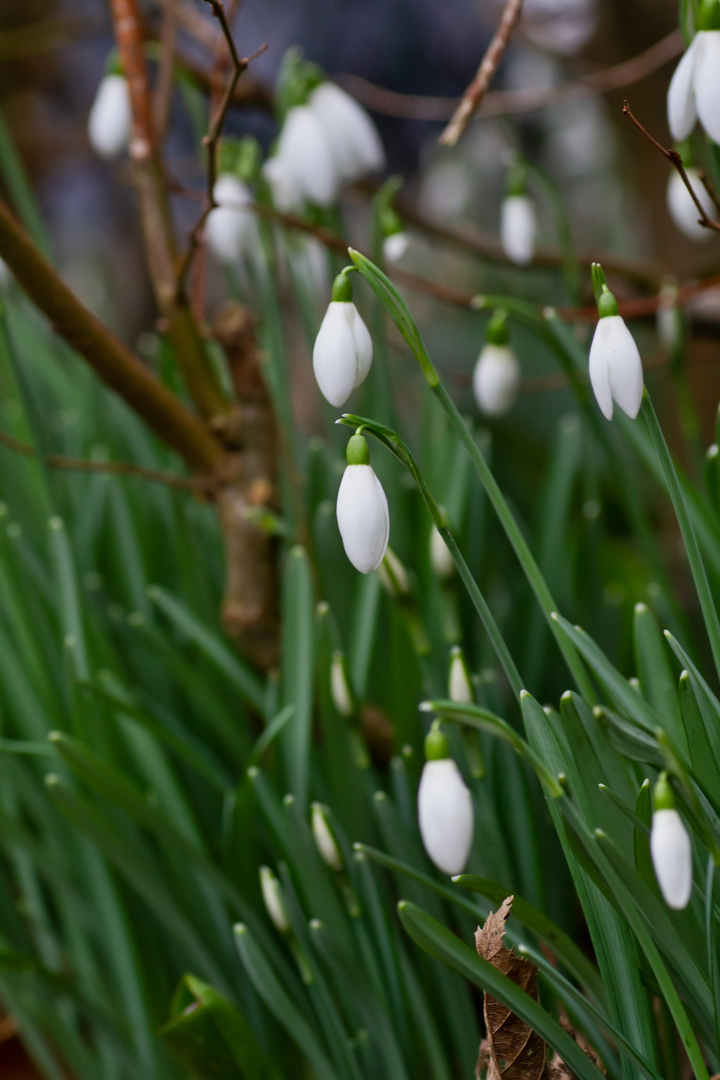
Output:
x,y
694,91
354,141
440,557
459,685
518,228
394,246
307,156
445,809
324,839
285,195
496,379
110,119
683,210
230,228
615,368
671,852
340,687
342,354
272,898
362,510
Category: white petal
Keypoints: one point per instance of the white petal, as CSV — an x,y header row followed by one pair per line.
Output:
x,y
681,99
339,689
363,346
518,228
598,368
305,149
395,246
683,210
354,140
459,688
334,354
324,839
671,852
285,196
624,366
110,118
230,231
363,517
496,379
445,815
440,557
707,82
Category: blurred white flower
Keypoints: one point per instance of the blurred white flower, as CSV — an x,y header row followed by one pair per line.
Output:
x,y
560,26
496,379
230,229
324,840
363,516
285,195
671,852
394,246
683,210
393,575
307,156
339,687
354,141
440,557
459,685
694,91
110,119
272,898
518,228
445,809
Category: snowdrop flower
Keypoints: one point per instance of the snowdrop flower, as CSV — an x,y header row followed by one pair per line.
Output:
x,y
440,557
343,348
340,687
110,119
285,195
445,810
395,238
324,839
683,210
496,377
694,91
354,142
518,228
230,229
272,898
670,848
362,509
616,373
459,685
307,155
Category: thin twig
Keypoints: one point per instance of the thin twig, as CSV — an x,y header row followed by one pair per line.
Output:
x,y
478,87
120,468
166,72
507,102
676,161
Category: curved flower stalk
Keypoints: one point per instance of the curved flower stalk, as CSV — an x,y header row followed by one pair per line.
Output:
x,y
615,368
670,848
683,210
110,119
694,91
496,377
445,809
362,509
230,229
343,348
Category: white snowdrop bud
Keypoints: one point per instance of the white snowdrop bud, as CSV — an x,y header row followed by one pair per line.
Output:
x,y
459,685
324,839
362,510
518,228
340,687
615,368
394,246
285,195
342,354
440,557
354,141
230,228
306,152
496,379
110,119
670,848
393,576
683,210
272,898
445,809
694,91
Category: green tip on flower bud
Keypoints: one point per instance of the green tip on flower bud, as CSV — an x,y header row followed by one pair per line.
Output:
x,y
598,280
342,291
515,184
663,796
709,17
607,304
497,330
358,451
436,745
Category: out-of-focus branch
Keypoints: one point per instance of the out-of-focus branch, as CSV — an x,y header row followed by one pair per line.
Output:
x,y
160,245
166,69
107,355
505,102
477,89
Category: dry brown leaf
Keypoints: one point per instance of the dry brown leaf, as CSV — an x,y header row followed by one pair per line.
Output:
x,y
511,1050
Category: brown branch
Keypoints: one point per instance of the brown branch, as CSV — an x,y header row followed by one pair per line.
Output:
x,y
166,71
119,468
477,89
107,355
505,102
676,161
